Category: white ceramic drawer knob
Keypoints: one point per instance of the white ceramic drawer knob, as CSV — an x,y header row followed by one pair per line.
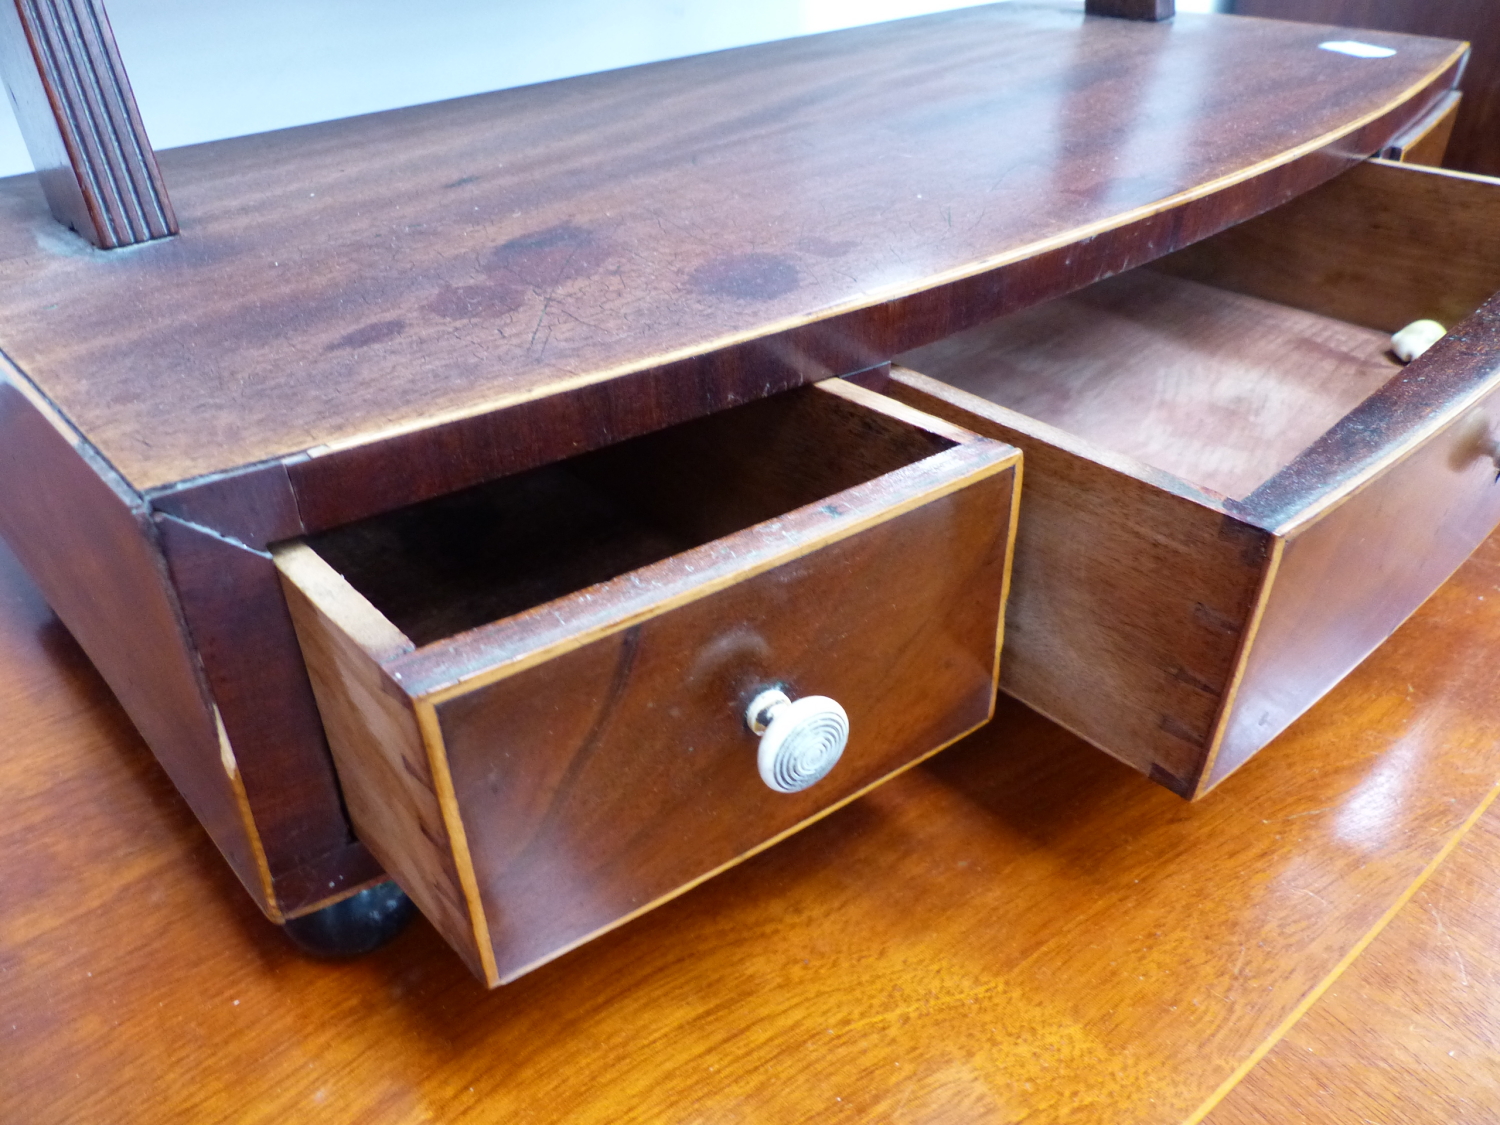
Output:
x,y
799,741
1416,338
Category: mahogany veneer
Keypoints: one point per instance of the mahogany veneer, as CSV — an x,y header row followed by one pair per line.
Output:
x,y
343,286
372,313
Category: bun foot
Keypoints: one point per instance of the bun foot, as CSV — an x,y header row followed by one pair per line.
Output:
x,y
359,924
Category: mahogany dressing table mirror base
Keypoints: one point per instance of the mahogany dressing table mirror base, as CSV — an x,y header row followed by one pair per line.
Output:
x,y
381,312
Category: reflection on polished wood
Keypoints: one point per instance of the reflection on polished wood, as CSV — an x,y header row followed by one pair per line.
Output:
x,y
1410,1032
1020,930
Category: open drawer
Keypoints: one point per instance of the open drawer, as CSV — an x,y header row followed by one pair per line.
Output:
x,y
1233,491
536,690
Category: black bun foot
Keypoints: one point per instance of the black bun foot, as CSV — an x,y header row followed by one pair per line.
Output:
x,y
359,924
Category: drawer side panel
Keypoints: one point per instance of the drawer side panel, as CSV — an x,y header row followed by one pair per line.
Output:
x,y
1381,245
1130,601
383,767
1426,141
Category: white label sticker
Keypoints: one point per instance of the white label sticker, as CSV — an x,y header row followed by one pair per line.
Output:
x,y
1357,49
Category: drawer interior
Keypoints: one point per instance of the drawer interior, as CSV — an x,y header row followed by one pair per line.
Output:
x,y
1215,387
1221,363
451,564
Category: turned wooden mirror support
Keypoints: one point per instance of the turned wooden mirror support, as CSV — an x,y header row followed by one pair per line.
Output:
x,y
77,114
1132,9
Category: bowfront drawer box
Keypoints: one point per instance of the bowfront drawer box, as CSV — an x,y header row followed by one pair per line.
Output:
x,y
1234,492
552,698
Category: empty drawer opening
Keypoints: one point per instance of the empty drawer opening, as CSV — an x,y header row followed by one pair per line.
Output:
x,y
454,563
1217,388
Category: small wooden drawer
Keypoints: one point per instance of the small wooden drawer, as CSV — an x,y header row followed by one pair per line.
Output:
x,y
536,690
1234,492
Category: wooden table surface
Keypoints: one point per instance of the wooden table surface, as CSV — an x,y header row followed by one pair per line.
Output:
x,y
1020,930
1409,1034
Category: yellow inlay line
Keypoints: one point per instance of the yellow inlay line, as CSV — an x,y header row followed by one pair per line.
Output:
x,y
1337,971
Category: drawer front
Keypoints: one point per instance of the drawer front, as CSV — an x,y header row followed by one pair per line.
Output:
x,y
602,780
536,780
1349,572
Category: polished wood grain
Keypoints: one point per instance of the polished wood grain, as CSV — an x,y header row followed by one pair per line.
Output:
x,y
1353,571
1019,930
628,771
537,780
788,208
1408,1033
1180,628
1426,141
1476,141
78,116
1218,389
1381,246
1437,388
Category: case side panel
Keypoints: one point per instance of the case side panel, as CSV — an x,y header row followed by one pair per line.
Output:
x,y
89,544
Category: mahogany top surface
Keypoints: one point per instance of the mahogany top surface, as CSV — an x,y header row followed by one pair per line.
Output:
x,y
381,273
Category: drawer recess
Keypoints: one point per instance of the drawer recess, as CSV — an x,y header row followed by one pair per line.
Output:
x,y
535,690
1234,493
